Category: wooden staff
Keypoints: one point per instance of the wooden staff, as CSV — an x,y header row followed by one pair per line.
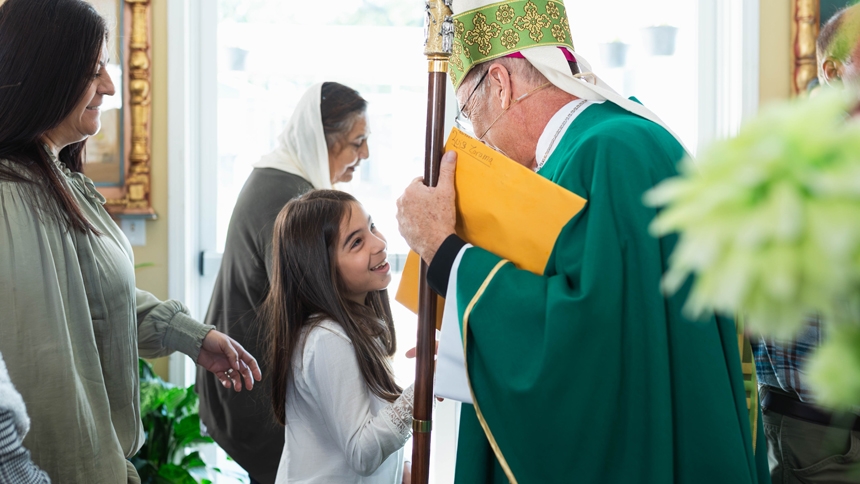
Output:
x,y
439,28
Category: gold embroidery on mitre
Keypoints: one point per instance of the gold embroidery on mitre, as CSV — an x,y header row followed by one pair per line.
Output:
x,y
483,33
456,52
505,14
459,29
532,21
561,31
510,38
480,39
552,11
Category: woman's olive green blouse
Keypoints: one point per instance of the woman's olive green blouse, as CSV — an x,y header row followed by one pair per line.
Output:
x,y
72,325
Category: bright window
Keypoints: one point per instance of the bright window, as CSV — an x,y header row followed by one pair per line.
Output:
x,y
645,49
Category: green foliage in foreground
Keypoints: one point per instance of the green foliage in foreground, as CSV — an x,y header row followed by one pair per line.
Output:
x,y
769,224
172,427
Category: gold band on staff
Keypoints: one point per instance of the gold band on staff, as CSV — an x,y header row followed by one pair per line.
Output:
x,y
422,426
437,65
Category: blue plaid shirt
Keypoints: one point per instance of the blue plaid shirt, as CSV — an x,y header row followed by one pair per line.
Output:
x,y
780,364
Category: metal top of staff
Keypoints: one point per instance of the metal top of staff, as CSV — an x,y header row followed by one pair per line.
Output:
x,y
438,28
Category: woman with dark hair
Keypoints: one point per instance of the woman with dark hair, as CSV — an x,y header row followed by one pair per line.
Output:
x,y
323,143
330,339
73,323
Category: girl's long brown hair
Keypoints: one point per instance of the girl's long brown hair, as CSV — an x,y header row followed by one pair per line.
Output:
x,y
306,289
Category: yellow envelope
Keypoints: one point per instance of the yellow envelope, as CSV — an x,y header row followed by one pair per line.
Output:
x,y
502,207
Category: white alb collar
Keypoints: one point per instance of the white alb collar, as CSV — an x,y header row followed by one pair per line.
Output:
x,y
558,123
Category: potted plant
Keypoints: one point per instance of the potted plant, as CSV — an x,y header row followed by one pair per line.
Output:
x,y
172,427
659,39
614,54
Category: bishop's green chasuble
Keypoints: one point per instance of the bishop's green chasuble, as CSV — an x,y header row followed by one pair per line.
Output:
x,y
588,374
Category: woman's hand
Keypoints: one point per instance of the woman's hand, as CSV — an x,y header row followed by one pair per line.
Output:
x,y
225,357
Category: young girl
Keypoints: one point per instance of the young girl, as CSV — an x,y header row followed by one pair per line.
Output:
x,y
331,338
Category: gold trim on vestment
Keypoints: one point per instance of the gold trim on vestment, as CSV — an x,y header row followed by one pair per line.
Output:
x,y
484,425
748,368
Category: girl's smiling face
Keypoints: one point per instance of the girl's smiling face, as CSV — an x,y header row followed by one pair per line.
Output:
x,y
361,256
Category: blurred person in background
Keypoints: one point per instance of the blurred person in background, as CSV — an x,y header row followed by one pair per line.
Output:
x,y
808,443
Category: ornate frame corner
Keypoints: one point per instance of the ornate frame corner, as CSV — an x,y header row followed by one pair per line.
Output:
x,y
133,199
805,21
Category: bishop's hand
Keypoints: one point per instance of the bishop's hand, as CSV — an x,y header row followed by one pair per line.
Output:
x,y
426,216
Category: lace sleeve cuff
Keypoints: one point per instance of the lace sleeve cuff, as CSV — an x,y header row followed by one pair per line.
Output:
x,y
398,414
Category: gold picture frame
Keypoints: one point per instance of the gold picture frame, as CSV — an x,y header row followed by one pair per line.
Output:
x,y
805,21
130,197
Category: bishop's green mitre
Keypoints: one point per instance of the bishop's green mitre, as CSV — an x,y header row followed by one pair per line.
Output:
x,y
487,30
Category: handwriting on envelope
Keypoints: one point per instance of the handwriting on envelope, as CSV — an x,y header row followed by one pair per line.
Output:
x,y
502,207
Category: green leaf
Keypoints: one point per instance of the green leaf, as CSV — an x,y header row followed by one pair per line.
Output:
x,y
189,404
145,370
192,460
834,368
158,434
172,398
171,424
174,474
186,432
152,394
188,427
145,469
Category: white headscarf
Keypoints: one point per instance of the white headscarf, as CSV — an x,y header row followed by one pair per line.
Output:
x,y
549,60
302,149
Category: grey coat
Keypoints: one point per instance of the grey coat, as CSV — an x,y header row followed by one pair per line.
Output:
x,y
243,423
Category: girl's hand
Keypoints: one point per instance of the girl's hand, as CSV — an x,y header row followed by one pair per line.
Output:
x,y
225,357
407,472
411,353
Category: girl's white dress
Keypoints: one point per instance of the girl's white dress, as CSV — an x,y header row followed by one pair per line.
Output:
x,y
337,430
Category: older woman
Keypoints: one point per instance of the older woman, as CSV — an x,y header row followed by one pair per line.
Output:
x,y
323,143
73,323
